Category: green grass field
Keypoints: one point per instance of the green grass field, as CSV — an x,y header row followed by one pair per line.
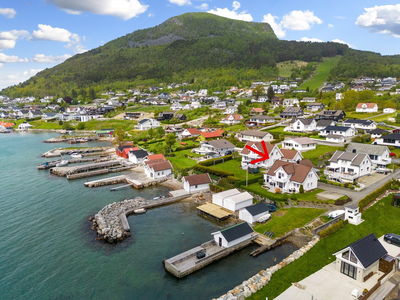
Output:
x,y
285,67
384,117
234,166
321,74
358,115
288,219
379,219
320,152
182,162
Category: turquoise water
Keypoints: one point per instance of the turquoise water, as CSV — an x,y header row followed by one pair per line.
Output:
x,y
47,250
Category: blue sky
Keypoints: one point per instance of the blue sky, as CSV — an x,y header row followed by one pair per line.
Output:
x,y
39,34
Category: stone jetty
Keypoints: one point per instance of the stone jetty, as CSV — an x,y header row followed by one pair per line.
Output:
x,y
261,279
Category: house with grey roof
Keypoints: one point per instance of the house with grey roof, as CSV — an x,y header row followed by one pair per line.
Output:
x,y
301,125
348,166
346,132
321,124
147,123
215,148
360,124
261,120
254,136
291,112
379,155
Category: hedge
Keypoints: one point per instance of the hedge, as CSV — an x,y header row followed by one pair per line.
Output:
x,y
250,181
217,172
333,228
233,179
269,196
375,194
276,141
216,188
210,162
180,148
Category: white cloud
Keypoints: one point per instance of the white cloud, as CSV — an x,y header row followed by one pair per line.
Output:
x,y
300,20
124,9
11,58
181,2
232,14
150,15
204,6
8,12
41,58
48,33
16,78
342,42
381,19
330,25
8,39
1,65
277,27
312,40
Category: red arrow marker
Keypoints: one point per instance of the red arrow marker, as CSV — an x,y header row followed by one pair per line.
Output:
x,y
264,156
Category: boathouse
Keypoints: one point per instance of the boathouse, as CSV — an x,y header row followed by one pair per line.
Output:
x,y
123,150
196,183
233,235
137,156
252,213
157,168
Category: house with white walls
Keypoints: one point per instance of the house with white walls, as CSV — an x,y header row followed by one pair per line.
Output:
x,y
146,124
234,235
291,155
196,183
232,119
254,136
299,144
346,132
232,199
360,124
156,169
367,107
389,110
301,125
379,155
248,156
253,213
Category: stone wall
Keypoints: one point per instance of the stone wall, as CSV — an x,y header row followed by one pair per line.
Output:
x,y
327,224
261,279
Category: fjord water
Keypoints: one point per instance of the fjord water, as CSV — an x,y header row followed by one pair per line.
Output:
x,y
47,250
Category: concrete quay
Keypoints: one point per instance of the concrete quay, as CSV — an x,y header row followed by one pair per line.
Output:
x,y
111,222
93,151
64,171
52,164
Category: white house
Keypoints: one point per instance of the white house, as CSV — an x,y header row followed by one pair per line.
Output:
x,y
176,106
202,93
389,110
348,166
338,130
232,119
288,176
377,133
379,155
254,136
367,107
301,125
359,124
300,144
389,140
290,155
233,235
230,110
156,169
339,96
253,213
322,124
232,199
216,147
289,102
146,124
308,99
196,183
352,214
195,105
248,156
24,126
360,258
335,138
137,156
261,120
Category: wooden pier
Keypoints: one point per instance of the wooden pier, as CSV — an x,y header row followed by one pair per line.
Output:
x,y
215,211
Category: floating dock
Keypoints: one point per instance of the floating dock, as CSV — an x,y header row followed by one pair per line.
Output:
x,y
216,211
187,262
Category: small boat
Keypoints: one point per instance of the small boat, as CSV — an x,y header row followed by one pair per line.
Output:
x,y
156,198
139,211
62,163
76,155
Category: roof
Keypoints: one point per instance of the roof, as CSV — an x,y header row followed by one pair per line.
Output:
x,y
324,123
159,165
337,128
259,146
330,112
356,121
307,162
258,109
369,105
236,231
139,153
367,249
144,121
299,171
289,154
256,133
241,197
292,108
257,209
366,148
334,136
355,158
212,134
227,193
218,144
127,150
378,131
193,131
303,140
198,179
262,117
156,156
235,117
314,104
393,136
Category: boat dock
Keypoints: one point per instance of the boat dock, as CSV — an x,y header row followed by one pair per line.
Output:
x,y
64,171
84,151
187,262
215,211
97,172
106,181
53,163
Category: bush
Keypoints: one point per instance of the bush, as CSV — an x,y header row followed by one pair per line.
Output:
x,y
372,196
224,182
275,141
277,190
250,181
220,173
233,179
391,154
261,181
342,200
180,148
394,187
169,155
285,196
216,188
332,229
293,196
301,189
210,162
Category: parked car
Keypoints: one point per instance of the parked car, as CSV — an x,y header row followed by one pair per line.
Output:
x,y
335,213
229,152
392,238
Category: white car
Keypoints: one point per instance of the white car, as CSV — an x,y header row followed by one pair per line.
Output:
x,y
335,213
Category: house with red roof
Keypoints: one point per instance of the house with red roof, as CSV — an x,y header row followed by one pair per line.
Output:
x,y
232,119
367,107
190,132
157,168
212,135
256,111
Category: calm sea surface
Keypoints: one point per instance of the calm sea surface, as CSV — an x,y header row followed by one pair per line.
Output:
x,y
47,250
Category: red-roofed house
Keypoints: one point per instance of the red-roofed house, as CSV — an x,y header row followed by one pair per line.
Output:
x,y
367,107
211,135
155,157
157,168
120,149
232,119
190,132
256,111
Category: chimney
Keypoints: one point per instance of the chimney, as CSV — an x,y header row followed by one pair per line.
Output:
x,y
354,150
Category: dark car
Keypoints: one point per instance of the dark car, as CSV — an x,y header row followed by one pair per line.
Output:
x,y
229,152
391,238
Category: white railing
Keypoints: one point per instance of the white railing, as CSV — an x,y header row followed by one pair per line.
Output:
x,y
341,175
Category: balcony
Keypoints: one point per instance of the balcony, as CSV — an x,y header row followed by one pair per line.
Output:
x,y
341,176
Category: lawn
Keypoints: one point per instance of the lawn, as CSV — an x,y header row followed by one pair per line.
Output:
x,y
384,117
288,219
279,130
321,153
180,161
379,219
321,74
358,115
285,67
234,166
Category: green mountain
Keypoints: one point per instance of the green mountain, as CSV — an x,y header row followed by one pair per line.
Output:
x,y
200,48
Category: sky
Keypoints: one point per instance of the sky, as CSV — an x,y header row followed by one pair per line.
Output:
x,y
39,34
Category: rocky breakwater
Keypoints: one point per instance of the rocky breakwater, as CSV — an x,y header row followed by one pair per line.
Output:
x,y
262,278
108,224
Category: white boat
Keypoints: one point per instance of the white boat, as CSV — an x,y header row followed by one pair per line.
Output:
x,y
62,163
139,211
264,218
76,155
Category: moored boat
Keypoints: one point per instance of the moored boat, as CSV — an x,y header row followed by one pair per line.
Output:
x,y
139,211
76,155
62,163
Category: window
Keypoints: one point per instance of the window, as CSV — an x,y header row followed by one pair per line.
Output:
x,y
348,270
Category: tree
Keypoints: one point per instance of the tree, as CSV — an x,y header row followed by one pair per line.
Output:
x,y
301,189
270,93
92,93
80,126
74,94
170,140
160,131
258,91
150,132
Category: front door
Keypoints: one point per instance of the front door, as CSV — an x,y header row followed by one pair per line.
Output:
x,y
220,242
